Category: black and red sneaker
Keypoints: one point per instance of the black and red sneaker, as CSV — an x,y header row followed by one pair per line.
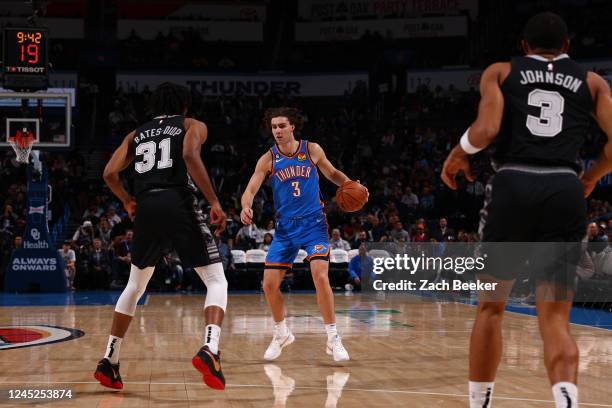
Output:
x,y
209,365
108,374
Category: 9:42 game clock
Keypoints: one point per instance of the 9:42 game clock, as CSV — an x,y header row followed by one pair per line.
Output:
x,y
26,61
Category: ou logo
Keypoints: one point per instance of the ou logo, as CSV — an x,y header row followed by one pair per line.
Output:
x,y
35,234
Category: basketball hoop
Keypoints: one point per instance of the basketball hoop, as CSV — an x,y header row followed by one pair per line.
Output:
x,y
22,145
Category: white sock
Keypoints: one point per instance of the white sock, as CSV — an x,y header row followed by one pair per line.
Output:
x,y
112,349
281,327
211,337
481,394
565,394
331,330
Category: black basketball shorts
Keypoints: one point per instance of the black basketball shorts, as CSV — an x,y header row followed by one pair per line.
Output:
x,y
168,219
538,215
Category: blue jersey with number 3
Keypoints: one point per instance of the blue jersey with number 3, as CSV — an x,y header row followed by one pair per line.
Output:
x,y
295,183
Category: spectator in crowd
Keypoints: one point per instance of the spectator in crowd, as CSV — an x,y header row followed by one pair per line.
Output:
x,y
269,229
362,237
410,199
267,241
120,261
129,239
597,238
170,271
375,229
420,235
8,219
337,242
6,250
427,200
361,269
104,231
93,211
112,217
84,236
98,264
398,233
69,258
227,260
246,238
17,242
443,233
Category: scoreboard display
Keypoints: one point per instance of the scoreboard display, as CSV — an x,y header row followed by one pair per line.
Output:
x,y
25,58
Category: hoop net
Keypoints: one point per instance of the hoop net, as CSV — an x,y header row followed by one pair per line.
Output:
x,y
22,145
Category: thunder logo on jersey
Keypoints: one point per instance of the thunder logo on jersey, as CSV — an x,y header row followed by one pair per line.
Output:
x,y
293,172
295,183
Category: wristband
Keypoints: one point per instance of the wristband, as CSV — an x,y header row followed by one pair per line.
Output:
x,y
467,146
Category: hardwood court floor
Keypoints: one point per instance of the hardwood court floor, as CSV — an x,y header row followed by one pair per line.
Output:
x,y
406,352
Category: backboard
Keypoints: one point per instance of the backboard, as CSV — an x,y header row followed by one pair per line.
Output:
x,y
48,115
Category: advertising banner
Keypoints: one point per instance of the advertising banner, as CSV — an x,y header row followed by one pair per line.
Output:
x,y
252,84
221,12
209,30
397,28
349,9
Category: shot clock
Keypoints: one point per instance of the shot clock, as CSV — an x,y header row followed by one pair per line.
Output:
x,y
26,61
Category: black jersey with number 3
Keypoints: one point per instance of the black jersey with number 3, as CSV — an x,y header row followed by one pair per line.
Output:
x,y
547,111
158,150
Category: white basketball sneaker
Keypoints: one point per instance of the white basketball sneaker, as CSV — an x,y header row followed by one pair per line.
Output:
x,y
279,341
336,349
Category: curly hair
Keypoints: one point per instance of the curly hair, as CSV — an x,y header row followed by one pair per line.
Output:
x,y
169,99
294,115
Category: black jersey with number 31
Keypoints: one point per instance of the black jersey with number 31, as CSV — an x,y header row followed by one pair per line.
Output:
x,y
547,111
158,151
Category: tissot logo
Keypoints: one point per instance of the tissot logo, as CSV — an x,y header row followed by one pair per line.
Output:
x,y
12,337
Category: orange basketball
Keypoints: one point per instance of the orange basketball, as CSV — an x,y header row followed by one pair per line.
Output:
x,y
351,196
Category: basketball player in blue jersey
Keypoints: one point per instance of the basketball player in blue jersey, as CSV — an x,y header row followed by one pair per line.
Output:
x,y
293,167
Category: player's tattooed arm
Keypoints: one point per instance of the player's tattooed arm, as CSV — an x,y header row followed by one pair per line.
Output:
x,y
262,170
319,159
196,135
122,157
603,115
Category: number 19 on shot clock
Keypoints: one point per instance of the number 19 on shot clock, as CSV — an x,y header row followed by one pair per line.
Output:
x,y
25,57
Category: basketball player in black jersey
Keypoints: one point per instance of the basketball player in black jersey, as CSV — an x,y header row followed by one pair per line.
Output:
x,y
535,112
166,156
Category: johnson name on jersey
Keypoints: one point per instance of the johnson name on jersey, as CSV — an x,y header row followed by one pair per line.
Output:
x,y
547,106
